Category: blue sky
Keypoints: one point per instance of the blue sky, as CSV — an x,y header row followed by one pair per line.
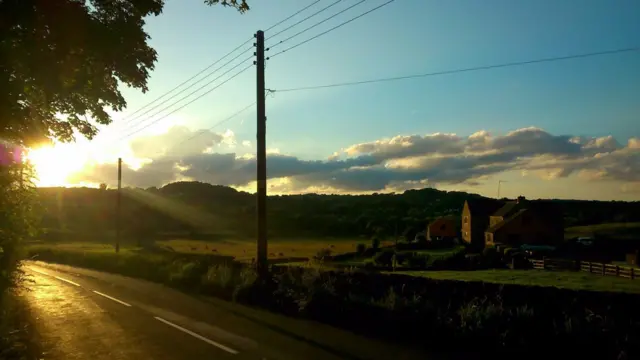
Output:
x,y
591,97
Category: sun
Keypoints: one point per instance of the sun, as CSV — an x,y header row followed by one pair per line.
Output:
x,y
54,164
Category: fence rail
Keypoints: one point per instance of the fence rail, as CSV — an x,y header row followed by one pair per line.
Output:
x,y
590,267
609,269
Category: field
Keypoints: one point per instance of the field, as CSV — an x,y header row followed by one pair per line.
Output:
x,y
561,279
614,230
279,250
245,250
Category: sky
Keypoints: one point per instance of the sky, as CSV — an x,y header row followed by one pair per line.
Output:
x,y
564,129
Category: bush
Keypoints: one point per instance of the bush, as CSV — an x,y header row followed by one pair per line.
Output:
x,y
418,261
323,253
219,276
375,243
361,248
18,217
384,258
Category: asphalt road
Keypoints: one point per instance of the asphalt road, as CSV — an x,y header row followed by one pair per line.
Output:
x,y
86,314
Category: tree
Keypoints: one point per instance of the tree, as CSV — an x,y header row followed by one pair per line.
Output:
x,y
63,60
103,186
17,218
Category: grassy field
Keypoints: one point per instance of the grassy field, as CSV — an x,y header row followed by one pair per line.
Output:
x,y
242,250
569,279
615,230
91,247
245,250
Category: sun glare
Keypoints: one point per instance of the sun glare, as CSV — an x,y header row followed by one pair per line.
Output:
x,y
54,164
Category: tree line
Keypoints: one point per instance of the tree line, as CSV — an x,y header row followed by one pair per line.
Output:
x,y
202,209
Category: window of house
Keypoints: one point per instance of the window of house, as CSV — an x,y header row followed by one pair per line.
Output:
x,y
443,226
466,219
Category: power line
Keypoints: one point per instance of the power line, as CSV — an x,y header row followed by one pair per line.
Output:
x,y
133,120
191,93
189,103
192,77
333,28
318,23
292,15
213,64
477,68
215,125
307,18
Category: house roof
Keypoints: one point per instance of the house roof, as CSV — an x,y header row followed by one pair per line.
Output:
x,y
483,206
509,208
504,222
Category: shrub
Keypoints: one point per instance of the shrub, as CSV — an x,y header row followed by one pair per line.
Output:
x,y
418,261
384,258
219,275
375,243
361,248
323,253
184,273
246,282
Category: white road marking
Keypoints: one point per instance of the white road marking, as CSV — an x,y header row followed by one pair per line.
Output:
x,y
211,342
39,272
57,277
111,298
65,280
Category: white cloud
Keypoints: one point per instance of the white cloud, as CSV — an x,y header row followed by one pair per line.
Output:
x,y
393,163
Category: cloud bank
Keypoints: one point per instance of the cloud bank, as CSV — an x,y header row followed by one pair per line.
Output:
x,y
397,163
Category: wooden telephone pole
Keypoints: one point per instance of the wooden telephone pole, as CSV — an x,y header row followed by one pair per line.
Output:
x,y
118,205
262,264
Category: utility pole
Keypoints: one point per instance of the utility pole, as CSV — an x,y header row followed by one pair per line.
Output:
x,y
262,264
118,205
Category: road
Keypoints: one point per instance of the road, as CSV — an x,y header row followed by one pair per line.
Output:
x,y
86,314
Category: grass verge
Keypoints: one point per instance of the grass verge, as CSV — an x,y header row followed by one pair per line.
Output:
x,y
18,337
573,280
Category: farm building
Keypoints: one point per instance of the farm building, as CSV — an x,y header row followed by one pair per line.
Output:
x,y
442,228
513,223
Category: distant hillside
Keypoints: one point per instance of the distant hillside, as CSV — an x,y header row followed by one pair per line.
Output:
x,y
200,207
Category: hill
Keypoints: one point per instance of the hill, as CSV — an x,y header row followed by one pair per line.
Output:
x,y
202,208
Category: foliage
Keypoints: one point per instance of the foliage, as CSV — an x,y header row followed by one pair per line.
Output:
x,y
375,243
361,248
384,258
18,218
71,57
18,336
204,208
241,5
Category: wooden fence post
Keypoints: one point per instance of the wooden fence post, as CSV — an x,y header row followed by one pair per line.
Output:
x,y
618,270
632,275
604,269
590,267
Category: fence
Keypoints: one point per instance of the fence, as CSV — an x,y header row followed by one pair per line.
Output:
x,y
609,269
555,264
590,267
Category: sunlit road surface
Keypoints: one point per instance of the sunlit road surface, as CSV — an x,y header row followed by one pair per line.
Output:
x,y
86,314
79,323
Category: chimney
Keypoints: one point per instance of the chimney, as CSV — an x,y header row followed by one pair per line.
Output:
x,y
520,199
